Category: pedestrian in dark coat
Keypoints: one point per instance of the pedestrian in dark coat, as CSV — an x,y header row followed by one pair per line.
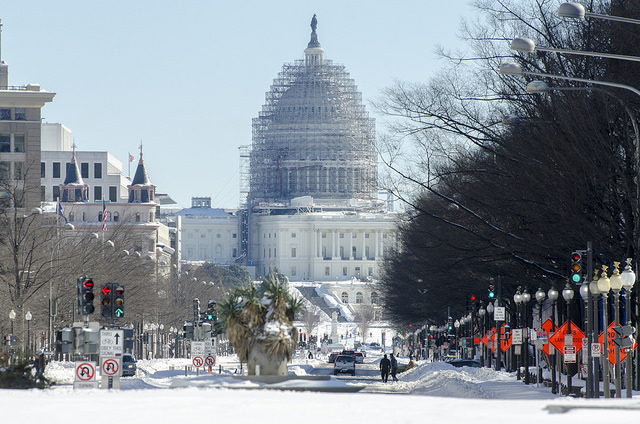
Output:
x,y
385,366
40,364
394,367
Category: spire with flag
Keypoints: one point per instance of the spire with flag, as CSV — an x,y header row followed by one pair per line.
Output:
x,y
104,216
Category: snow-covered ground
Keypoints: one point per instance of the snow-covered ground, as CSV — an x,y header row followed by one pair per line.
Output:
x,y
431,392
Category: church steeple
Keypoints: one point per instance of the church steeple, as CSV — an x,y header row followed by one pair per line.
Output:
x,y
141,189
74,189
313,53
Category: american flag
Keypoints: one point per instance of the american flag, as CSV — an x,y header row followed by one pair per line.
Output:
x,y
131,158
104,216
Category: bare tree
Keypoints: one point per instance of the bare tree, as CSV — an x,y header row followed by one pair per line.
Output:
x,y
311,319
364,315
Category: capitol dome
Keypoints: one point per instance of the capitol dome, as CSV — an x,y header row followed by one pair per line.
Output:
x,y
313,136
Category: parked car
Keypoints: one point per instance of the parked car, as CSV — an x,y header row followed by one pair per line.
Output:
x,y
359,357
345,364
332,357
129,367
465,363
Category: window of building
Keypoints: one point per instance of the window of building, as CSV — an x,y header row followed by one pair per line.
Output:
x,y
20,114
56,169
366,251
234,235
97,170
293,235
359,297
189,235
326,270
342,252
324,235
375,298
97,193
366,235
384,235
353,251
18,143
324,251
19,199
5,143
113,194
116,217
344,297
357,271
344,270
370,271
137,216
43,170
18,170
5,170
84,170
5,114
190,253
202,236
43,193
293,271
234,253
71,217
218,235
341,235
293,252
353,235
56,193
275,252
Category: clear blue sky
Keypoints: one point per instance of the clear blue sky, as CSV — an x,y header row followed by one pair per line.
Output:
x,y
186,78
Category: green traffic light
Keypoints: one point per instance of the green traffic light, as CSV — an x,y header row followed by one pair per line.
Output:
x,y
119,312
576,278
492,294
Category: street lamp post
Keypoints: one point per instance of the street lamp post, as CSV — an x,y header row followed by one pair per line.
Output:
x,y
489,351
567,294
628,280
584,294
526,297
517,299
616,286
595,326
482,312
457,326
28,316
540,296
604,285
553,297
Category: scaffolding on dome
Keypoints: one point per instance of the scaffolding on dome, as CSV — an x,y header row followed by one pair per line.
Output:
x,y
313,137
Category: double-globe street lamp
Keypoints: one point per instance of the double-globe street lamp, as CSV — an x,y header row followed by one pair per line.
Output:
x,y
540,296
553,297
604,285
628,280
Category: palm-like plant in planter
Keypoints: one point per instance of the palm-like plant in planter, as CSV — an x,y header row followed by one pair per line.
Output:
x,y
259,320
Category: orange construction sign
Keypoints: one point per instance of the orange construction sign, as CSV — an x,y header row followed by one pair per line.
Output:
x,y
557,338
611,334
548,327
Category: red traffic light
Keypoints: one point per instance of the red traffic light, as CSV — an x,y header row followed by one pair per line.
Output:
x,y
119,290
88,284
576,256
473,298
106,290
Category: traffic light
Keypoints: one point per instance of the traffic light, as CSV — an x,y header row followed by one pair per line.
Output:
x,y
118,300
472,300
576,267
211,310
450,324
624,335
86,296
106,302
196,310
492,289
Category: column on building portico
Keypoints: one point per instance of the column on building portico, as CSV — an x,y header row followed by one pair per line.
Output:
x,y
335,252
377,246
364,244
318,243
350,254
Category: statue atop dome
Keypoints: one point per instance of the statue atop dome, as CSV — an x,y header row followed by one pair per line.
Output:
x,y
314,37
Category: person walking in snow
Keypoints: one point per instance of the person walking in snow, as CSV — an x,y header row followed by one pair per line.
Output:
x,y
385,365
394,367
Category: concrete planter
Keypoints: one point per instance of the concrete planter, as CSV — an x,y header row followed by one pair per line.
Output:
x,y
268,364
